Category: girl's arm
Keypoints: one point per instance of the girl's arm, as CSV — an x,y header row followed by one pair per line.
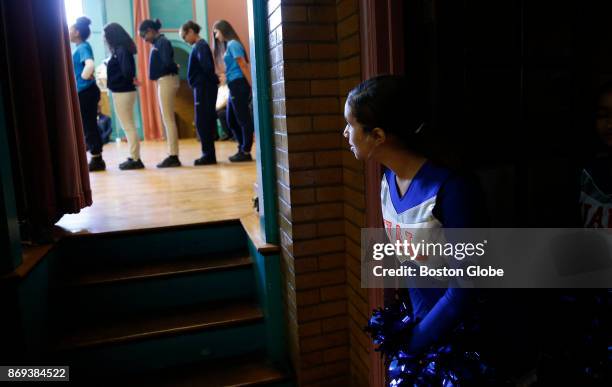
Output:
x,y
126,62
244,66
88,70
440,319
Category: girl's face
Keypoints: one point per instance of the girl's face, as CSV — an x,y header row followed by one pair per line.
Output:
x,y
361,142
218,35
74,35
604,119
148,35
188,36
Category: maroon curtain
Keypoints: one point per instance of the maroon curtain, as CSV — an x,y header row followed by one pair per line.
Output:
x,y
48,133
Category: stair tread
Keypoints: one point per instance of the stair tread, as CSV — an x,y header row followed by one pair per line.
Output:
x,y
241,371
158,269
115,329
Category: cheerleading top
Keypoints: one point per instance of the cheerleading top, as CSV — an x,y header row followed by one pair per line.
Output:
x,y
436,197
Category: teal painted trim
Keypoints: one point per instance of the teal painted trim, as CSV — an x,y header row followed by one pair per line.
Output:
x,y
34,307
202,16
10,240
268,282
266,165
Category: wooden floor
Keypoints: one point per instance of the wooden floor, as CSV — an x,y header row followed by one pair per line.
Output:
x,y
130,200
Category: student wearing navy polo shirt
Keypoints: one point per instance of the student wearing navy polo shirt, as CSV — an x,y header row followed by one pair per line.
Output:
x,y
164,70
203,80
88,91
229,50
121,74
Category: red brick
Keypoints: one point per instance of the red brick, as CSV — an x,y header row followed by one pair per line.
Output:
x,y
329,158
294,14
354,215
307,297
329,194
347,8
353,180
324,341
312,328
349,47
318,246
292,51
331,293
331,261
303,106
334,123
312,359
318,51
347,84
324,372
308,33
350,66
330,228
302,196
297,89
348,26
317,212
355,198
317,14
299,124
335,324
315,280
315,141
327,87
338,353
303,231
300,160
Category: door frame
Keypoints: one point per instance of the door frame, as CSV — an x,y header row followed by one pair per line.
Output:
x,y
257,12
382,52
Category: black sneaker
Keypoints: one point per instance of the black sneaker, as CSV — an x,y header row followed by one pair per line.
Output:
x,y
240,156
205,160
97,164
170,162
130,163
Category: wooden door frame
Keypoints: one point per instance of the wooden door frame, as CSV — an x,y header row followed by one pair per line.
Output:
x,y
382,51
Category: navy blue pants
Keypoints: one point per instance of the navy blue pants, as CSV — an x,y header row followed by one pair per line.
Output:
x,y
239,116
88,102
205,99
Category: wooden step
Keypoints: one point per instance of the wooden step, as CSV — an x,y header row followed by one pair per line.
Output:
x,y
120,329
101,275
251,370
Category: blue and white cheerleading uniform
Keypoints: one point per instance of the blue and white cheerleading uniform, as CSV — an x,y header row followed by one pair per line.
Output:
x,y
435,198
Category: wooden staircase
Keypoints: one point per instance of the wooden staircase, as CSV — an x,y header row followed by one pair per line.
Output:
x,y
127,309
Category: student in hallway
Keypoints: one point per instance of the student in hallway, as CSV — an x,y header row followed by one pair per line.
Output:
x,y
229,50
164,70
89,94
203,80
121,73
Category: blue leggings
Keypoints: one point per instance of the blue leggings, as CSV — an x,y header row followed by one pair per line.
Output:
x,y
239,116
205,98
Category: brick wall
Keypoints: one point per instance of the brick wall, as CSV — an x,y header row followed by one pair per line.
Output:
x,y
314,59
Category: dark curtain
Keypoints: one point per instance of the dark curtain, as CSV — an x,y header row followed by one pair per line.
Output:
x,y
48,144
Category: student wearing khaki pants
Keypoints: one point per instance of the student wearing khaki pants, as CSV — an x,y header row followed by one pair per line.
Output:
x,y
164,70
121,73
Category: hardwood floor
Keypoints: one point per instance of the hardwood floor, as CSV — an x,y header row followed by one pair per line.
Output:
x,y
129,200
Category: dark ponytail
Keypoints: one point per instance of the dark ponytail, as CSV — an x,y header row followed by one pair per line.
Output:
x,y
150,24
389,102
82,25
